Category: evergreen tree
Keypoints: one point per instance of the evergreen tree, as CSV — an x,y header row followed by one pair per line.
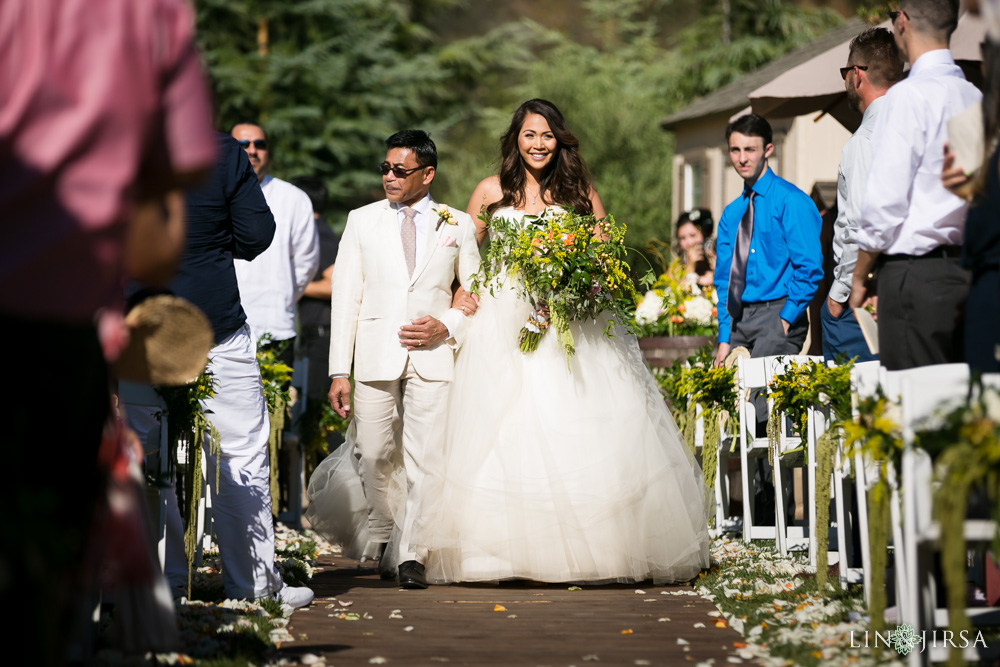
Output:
x,y
329,79
733,37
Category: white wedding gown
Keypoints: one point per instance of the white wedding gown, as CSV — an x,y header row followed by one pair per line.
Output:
x,y
547,473
551,473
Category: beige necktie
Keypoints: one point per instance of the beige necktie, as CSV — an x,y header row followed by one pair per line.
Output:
x,y
408,232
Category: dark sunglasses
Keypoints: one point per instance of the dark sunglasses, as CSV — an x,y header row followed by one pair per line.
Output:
x,y
398,172
259,144
895,15
844,71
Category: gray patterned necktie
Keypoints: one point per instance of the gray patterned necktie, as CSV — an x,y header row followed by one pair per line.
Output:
x,y
408,233
738,269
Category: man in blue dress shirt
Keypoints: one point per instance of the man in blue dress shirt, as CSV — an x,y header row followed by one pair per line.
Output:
x,y
768,256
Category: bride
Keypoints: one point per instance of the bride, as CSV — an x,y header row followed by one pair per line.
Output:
x,y
548,472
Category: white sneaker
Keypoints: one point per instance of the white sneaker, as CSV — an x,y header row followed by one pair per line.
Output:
x,y
296,596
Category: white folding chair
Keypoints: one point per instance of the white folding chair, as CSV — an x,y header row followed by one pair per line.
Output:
x,y
751,375
791,453
864,383
927,393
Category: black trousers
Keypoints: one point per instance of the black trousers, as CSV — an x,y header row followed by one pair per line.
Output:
x,y
56,401
982,321
921,304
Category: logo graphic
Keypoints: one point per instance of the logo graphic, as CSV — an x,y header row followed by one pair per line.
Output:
x,y
904,639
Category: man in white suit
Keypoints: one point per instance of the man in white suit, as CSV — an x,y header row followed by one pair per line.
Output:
x,y
392,315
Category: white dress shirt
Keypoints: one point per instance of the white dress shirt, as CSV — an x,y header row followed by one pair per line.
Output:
x,y
906,210
271,284
852,175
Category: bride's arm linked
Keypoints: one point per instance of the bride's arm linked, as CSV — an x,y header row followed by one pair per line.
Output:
x,y
450,326
487,192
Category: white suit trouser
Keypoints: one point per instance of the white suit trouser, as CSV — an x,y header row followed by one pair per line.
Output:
x,y
242,501
407,413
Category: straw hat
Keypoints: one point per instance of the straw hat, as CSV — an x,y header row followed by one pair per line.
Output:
x,y
169,342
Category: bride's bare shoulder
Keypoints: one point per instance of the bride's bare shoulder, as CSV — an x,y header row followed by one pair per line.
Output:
x,y
487,192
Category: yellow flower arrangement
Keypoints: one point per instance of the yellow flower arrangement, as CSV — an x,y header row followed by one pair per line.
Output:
x,y
569,266
676,305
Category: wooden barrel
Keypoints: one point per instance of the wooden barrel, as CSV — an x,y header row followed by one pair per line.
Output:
x,y
662,351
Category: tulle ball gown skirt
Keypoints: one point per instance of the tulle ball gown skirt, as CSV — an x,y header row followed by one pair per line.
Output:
x,y
558,472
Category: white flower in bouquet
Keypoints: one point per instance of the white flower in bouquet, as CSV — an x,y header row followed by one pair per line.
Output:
x,y
649,309
699,310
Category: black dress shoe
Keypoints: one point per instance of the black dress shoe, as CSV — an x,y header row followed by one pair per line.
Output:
x,y
411,575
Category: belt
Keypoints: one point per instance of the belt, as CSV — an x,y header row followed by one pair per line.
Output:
x,y
314,330
940,252
780,300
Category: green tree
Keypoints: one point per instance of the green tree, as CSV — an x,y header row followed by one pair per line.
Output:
x,y
733,37
329,79
612,96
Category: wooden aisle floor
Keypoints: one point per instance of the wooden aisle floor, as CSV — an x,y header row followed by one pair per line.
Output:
x,y
539,624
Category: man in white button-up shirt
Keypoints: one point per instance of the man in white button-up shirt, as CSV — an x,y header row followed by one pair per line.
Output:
x,y
272,284
873,65
908,217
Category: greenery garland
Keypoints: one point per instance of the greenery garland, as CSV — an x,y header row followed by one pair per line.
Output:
x,y
966,448
700,382
876,437
690,427
879,519
275,377
805,386
826,450
187,420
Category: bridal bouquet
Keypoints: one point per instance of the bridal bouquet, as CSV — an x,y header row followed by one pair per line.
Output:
x,y
677,306
569,266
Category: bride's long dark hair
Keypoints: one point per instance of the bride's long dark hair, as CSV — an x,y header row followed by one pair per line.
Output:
x,y
565,179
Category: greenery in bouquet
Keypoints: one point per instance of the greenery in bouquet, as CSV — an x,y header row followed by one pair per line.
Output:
x,y
569,266
676,305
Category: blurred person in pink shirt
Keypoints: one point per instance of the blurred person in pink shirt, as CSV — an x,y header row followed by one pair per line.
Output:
x,y
104,117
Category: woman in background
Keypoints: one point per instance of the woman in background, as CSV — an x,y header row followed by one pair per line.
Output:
x,y
693,230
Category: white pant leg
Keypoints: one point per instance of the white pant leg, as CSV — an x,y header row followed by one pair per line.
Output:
x,y
424,408
242,501
377,411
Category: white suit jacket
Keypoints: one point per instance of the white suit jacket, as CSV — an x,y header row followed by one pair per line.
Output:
x,y
373,296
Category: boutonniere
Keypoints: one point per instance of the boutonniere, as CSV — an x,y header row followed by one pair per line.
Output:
x,y
445,216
